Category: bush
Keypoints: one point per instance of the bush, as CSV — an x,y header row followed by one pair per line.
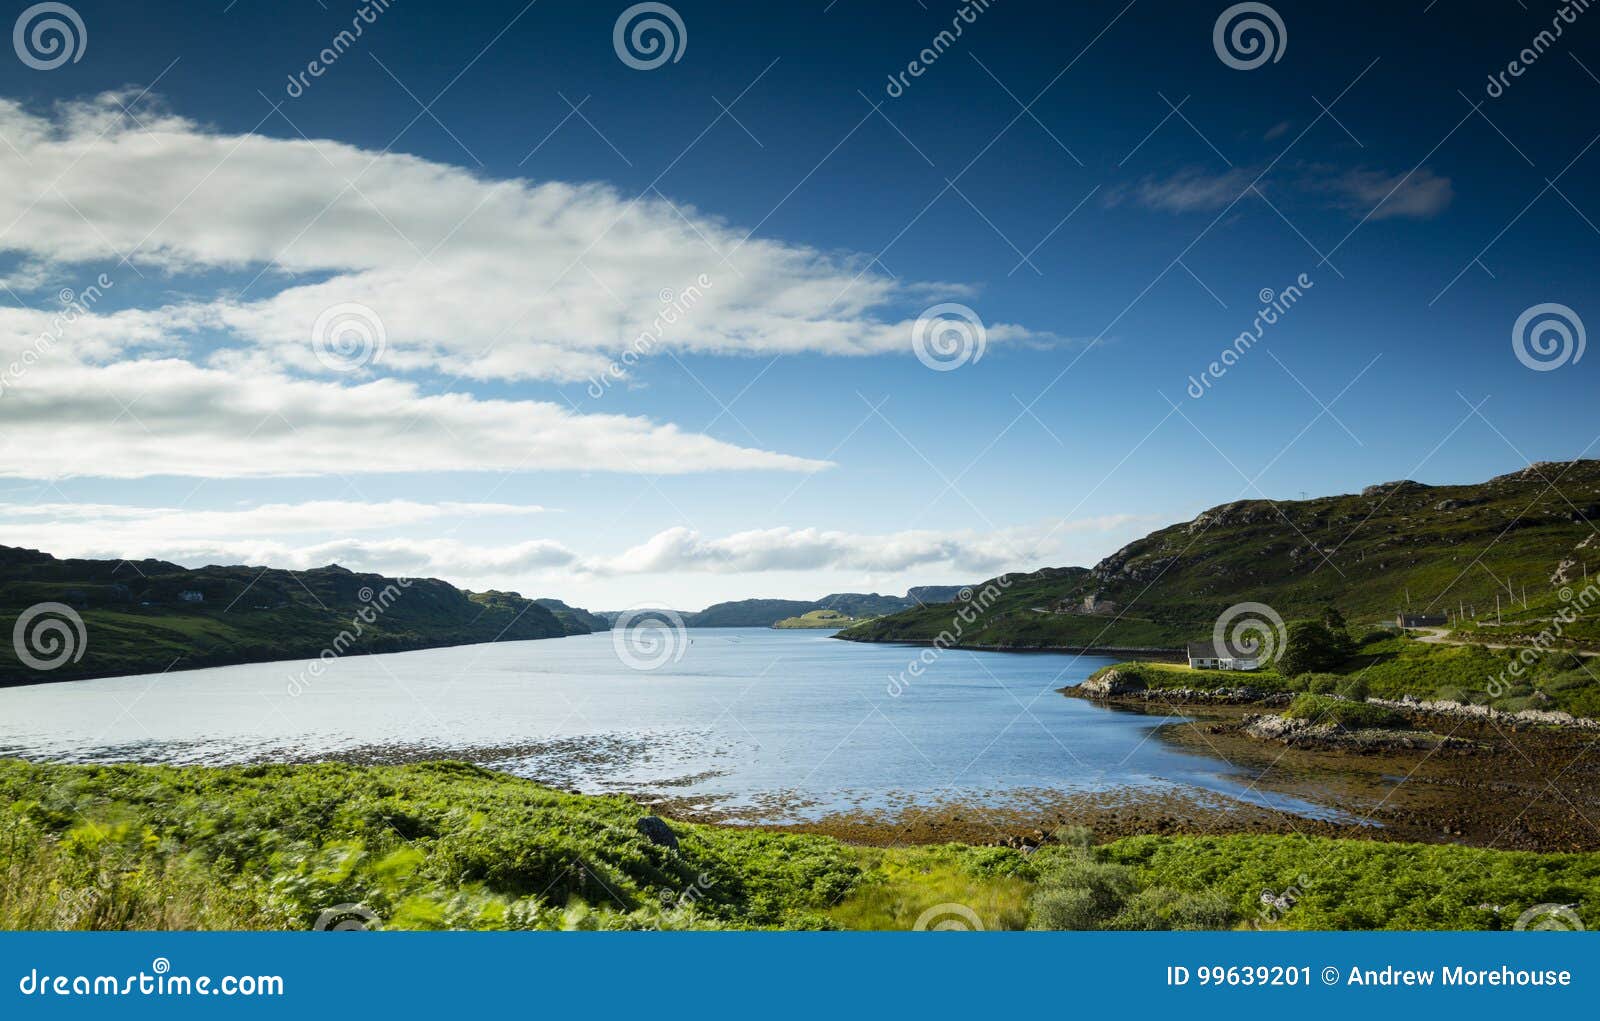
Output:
x,y
1343,713
1079,892
1353,688
1319,684
1080,837
1310,646
1064,908
1161,907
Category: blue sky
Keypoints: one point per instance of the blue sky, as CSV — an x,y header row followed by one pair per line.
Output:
x,y
784,439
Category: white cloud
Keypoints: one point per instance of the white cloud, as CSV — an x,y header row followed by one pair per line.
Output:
x,y
59,525
486,279
1419,195
167,416
196,538
1376,194
1188,191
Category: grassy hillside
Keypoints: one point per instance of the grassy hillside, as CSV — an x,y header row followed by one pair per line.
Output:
x,y
136,619
1443,546
748,613
820,619
447,845
576,621
767,612
1395,667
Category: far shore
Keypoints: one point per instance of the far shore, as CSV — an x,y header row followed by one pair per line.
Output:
x,y
1163,655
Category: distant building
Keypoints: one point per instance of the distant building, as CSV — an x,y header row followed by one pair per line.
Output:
x,y
1406,621
191,596
1211,656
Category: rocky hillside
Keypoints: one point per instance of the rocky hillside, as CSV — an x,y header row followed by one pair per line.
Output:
x,y
151,616
767,612
1434,548
576,620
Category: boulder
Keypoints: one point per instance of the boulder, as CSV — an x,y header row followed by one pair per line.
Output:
x,y
1110,684
655,830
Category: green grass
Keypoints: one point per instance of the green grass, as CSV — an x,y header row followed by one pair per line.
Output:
x,y
1176,676
1343,713
1346,884
1450,545
1397,666
447,845
817,619
134,622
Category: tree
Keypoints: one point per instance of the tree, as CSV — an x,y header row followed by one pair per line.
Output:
x,y
1309,647
1334,621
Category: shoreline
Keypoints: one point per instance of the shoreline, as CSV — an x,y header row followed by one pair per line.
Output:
x,y
1151,652
1432,710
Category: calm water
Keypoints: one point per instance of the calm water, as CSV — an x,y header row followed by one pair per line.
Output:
x,y
777,725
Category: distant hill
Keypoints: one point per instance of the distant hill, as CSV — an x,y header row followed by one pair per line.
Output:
x,y
151,616
817,620
934,593
766,612
576,621
749,612
1434,548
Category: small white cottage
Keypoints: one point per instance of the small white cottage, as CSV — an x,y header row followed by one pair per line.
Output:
x,y
1210,656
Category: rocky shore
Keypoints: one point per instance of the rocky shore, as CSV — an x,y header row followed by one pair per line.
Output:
x,y
1118,686
1328,736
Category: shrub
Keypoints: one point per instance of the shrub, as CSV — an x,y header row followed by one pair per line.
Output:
x,y
1319,684
1342,713
1080,837
1353,688
1309,646
1079,892
1161,907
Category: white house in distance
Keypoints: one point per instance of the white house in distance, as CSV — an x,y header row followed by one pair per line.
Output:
x,y
1208,655
191,596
